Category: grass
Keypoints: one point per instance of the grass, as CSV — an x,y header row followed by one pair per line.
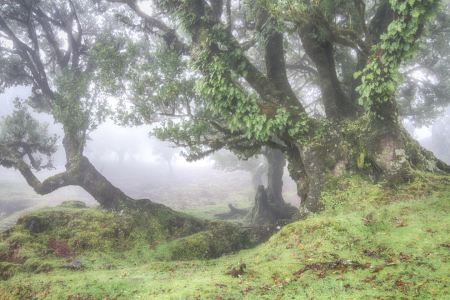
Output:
x,y
369,243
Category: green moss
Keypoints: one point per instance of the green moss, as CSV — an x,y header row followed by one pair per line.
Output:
x,y
18,238
219,238
7,270
34,223
26,253
330,162
36,266
94,229
72,204
412,231
360,161
4,251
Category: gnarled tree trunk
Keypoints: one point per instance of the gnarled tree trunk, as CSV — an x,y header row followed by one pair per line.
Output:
x,y
269,203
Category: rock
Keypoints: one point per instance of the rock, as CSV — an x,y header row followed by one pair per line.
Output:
x,y
75,264
304,213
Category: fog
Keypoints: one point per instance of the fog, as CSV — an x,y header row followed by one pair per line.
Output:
x,y
142,167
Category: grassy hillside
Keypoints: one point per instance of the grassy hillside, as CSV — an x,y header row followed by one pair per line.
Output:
x,y
368,244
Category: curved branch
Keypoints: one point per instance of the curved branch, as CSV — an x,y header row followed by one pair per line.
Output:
x,y
50,36
49,185
34,64
300,66
64,58
249,44
169,36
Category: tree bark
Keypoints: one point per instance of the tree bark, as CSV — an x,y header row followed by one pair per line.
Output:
x,y
336,103
257,174
269,203
262,212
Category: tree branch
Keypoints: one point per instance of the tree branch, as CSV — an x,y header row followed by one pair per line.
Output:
x,y
34,64
300,66
361,7
169,36
42,188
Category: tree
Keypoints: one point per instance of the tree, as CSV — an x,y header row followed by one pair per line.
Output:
x,y
164,153
229,162
25,137
353,53
47,45
225,72
269,203
440,137
271,207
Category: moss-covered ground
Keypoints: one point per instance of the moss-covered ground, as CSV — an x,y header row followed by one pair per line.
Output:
x,y
369,243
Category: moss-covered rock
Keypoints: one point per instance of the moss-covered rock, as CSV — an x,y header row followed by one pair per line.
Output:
x,y
83,229
219,238
93,228
36,265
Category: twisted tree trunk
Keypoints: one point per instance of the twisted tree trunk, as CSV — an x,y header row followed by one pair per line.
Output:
x,y
269,203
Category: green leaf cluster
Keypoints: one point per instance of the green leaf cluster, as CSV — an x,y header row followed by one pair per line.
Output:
x,y
24,135
77,104
381,73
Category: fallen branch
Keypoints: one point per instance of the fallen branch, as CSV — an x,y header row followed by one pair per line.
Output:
x,y
233,211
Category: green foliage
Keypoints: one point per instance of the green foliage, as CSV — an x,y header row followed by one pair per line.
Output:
x,y
7,270
22,134
72,204
77,106
398,44
360,160
300,128
36,265
188,131
228,102
4,251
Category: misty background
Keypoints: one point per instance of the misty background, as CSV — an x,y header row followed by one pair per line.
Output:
x,y
144,167
140,166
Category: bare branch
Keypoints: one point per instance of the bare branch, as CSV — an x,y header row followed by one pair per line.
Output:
x,y
30,58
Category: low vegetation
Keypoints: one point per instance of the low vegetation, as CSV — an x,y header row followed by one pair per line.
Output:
x,y
369,243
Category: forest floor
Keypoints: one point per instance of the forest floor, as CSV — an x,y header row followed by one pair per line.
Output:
x,y
370,243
